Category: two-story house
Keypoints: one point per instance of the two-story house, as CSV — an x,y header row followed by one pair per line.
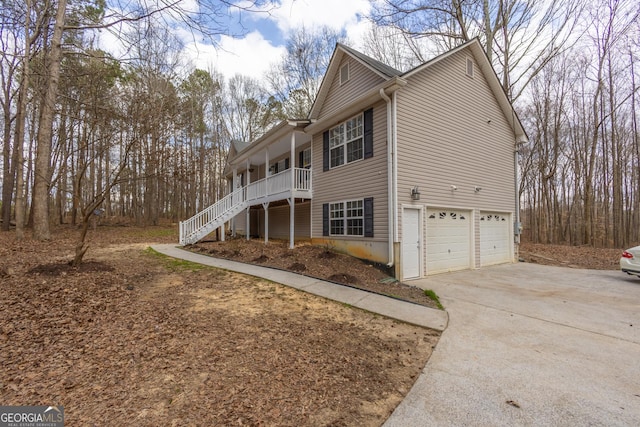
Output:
x,y
416,170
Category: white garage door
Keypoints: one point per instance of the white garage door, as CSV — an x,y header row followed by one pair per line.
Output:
x,y
495,238
448,240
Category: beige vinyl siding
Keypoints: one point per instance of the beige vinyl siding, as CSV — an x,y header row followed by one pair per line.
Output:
x,y
451,131
279,221
361,79
240,221
357,180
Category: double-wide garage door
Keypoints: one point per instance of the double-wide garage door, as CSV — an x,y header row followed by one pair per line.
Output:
x,y
449,239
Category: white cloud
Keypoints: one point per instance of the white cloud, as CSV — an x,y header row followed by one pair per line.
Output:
x,y
357,32
251,55
336,14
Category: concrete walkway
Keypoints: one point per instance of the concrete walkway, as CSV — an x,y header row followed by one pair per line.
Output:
x,y
390,307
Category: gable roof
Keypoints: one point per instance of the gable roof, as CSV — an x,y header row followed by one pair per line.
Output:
x,y
239,145
388,73
380,67
383,70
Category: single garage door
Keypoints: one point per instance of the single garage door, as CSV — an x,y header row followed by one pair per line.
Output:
x,y
448,240
495,238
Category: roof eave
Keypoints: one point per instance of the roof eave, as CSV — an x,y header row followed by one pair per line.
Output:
x,y
273,135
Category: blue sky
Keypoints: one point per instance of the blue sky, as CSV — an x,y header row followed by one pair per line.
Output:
x,y
265,34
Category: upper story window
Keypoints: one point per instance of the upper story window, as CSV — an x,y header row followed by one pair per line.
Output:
x,y
344,73
346,143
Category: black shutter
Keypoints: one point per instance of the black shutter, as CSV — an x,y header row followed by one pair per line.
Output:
x,y
325,151
368,217
368,133
325,219
286,163
301,159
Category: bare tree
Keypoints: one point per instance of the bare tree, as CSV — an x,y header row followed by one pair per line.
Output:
x,y
295,79
395,47
519,37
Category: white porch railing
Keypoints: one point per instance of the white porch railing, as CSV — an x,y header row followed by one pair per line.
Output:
x,y
204,222
275,187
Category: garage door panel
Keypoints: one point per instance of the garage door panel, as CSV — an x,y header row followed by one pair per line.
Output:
x,y
448,240
495,238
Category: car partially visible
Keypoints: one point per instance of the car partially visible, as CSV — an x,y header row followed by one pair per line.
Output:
x,y
630,261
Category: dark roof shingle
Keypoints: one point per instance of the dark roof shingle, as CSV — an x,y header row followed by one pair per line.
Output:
x,y
373,63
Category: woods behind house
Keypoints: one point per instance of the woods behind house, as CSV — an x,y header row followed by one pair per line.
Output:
x,y
143,134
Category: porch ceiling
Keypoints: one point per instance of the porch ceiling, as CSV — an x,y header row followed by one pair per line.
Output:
x,y
278,147
277,141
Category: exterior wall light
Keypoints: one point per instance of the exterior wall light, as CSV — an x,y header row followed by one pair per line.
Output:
x,y
415,193
477,189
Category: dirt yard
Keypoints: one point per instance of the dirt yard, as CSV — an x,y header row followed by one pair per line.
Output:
x,y
571,256
133,338
315,261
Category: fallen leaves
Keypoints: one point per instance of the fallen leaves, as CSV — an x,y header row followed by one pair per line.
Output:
x,y
148,346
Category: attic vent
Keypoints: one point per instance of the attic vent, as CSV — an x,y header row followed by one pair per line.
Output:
x,y
344,73
469,67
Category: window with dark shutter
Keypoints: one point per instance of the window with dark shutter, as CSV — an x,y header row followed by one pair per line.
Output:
x,y
368,133
368,217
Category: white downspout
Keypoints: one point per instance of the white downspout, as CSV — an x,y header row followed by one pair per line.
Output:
x,y
390,173
394,189
517,227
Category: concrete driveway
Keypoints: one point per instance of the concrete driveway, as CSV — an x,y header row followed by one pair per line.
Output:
x,y
531,345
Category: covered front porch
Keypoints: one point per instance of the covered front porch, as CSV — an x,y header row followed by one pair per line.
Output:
x,y
272,171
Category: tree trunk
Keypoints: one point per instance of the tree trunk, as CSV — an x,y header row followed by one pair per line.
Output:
x,y
20,130
42,174
8,172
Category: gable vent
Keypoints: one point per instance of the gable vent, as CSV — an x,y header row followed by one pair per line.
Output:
x,y
469,67
344,73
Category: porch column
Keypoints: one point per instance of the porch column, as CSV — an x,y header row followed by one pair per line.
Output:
x,y
265,206
292,216
266,172
292,200
247,226
293,161
232,220
248,219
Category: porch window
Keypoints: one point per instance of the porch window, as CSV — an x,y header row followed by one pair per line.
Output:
x,y
279,166
346,143
305,159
